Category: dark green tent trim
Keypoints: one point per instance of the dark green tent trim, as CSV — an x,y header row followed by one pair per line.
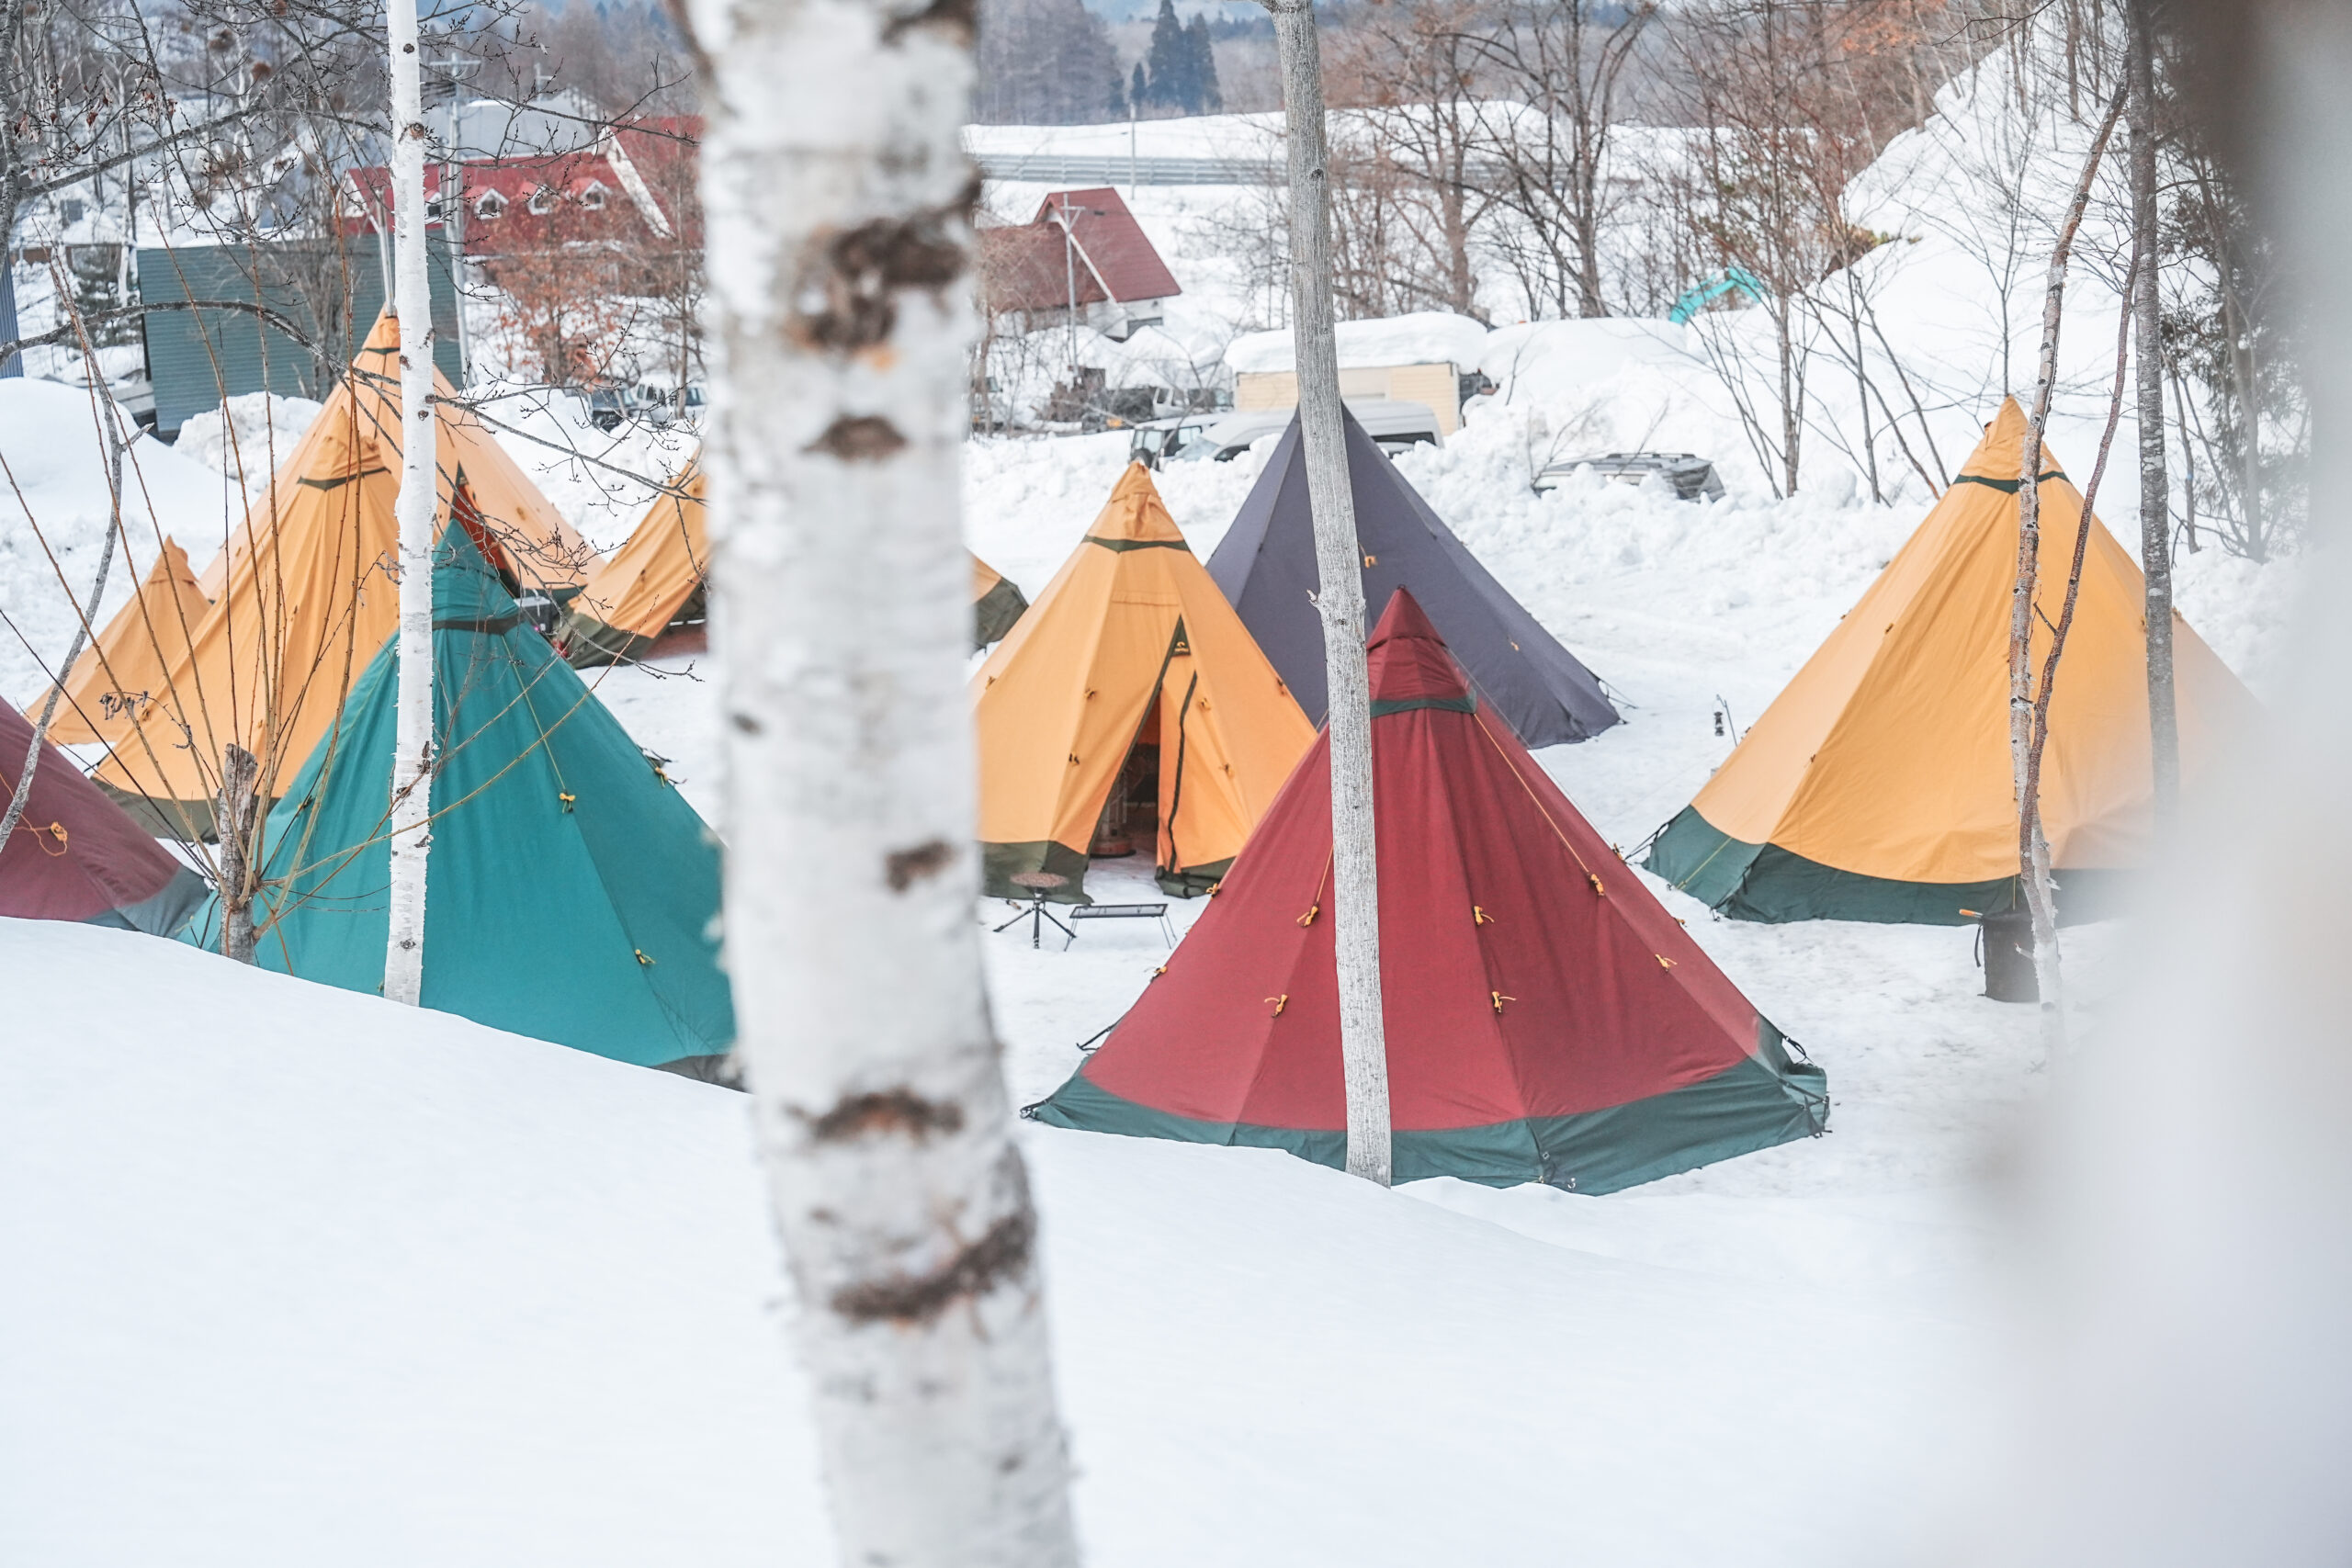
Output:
x,y
999,863
1756,1104
1194,880
1117,546
1382,709
1768,884
191,821
994,613
588,642
2007,487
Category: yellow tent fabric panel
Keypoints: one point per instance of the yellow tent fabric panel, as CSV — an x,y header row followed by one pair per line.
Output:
x,y
1129,630
1887,756
123,670
545,551
306,596
640,587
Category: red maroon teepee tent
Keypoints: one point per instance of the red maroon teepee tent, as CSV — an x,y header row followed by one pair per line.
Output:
x,y
76,856
1547,1019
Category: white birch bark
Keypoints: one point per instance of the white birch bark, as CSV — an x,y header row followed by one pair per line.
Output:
x,y
838,209
2033,846
1338,561
412,837
2155,488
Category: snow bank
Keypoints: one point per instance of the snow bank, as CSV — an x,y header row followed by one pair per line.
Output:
x,y
1540,361
249,434
1426,337
54,512
302,1277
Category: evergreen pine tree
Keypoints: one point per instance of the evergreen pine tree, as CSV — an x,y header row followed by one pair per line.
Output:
x,y
1171,77
1207,98
1139,90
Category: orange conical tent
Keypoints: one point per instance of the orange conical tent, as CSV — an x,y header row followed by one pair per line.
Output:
x,y
545,552
655,579
1130,685
1877,787
306,596
121,674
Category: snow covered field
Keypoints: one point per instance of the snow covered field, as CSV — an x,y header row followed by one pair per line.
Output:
x,y
297,1278
293,1260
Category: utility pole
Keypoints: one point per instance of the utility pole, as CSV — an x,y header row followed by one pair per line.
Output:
x,y
410,834
1338,559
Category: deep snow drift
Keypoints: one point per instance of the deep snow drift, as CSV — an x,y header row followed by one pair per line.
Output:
x,y
298,1276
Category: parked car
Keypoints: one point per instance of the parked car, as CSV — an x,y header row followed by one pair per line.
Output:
x,y
609,407
1224,437
1693,477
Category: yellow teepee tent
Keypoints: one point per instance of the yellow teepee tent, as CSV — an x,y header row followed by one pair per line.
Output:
x,y
1129,699
655,582
302,596
117,675
1877,787
544,553
655,579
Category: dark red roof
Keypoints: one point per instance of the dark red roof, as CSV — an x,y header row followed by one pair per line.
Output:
x,y
587,193
1027,266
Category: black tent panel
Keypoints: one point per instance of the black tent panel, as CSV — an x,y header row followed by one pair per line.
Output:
x,y
1266,567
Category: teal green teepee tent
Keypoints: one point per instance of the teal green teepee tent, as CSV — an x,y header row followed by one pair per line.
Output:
x,y
572,895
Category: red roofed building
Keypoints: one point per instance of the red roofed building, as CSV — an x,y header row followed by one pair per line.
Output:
x,y
595,252
635,184
1084,252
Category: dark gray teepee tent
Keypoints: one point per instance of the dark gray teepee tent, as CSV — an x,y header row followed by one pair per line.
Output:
x,y
1266,567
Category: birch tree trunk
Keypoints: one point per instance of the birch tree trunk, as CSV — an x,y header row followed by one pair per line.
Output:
x,y
2033,848
1338,561
412,837
838,207
238,810
2155,490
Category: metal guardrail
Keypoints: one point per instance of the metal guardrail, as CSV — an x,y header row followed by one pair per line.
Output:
x,y
1113,169
1063,169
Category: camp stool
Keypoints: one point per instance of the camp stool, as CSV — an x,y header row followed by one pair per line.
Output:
x,y
1123,912
1039,884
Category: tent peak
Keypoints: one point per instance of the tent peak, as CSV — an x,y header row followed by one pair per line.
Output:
x,y
1135,514
1411,666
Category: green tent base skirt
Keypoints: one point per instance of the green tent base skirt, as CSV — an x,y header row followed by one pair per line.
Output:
x,y
1768,884
1751,1106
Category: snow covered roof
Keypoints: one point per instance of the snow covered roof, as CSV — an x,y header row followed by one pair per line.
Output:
x,y
1427,337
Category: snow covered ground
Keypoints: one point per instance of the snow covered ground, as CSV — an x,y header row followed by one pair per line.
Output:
x,y
300,1277
293,1259
296,1276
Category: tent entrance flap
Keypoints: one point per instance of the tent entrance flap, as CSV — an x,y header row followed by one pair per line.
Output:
x,y
1131,812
